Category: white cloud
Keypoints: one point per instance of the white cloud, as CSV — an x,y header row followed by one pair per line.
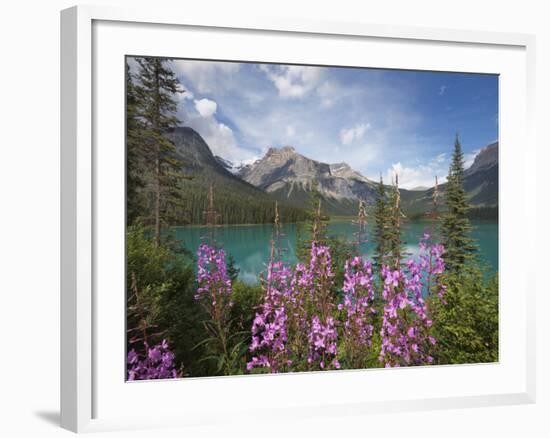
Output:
x,y
290,131
357,132
206,107
293,81
442,89
206,77
219,136
422,175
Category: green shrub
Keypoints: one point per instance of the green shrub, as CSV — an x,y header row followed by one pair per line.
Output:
x,y
166,285
466,328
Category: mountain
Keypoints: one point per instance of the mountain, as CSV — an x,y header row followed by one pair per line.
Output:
x,y
194,152
199,161
481,178
288,175
285,175
485,159
225,163
236,200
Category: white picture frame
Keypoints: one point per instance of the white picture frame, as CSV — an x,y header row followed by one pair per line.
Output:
x,y
84,30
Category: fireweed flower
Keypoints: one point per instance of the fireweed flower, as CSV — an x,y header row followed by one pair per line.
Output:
x,y
357,307
295,325
320,324
212,276
214,285
405,331
298,305
432,263
214,292
158,363
321,280
269,328
322,343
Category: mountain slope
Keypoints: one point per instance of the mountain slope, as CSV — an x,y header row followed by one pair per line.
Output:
x,y
481,179
290,176
236,201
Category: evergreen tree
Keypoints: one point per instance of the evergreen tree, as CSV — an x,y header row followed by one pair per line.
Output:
x,y
456,227
134,150
381,226
232,205
157,106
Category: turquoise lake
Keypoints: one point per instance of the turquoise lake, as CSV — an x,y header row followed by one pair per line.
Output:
x,y
250,244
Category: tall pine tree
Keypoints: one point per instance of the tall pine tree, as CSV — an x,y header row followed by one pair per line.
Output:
x,y
134,151
158,87
456,227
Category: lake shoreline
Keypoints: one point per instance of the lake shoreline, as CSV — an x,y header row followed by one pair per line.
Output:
x,y
335,219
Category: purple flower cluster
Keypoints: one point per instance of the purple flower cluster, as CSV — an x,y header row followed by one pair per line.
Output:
x,y
431,262
215,294
212,276
269,329
406,324
321,279
315,286
357,307
322,343
296,322
158,363
300,326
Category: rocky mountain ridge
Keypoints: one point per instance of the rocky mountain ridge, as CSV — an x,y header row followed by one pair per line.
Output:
x,y
289,176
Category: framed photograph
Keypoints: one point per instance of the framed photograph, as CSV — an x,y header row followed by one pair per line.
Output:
x,y
327,213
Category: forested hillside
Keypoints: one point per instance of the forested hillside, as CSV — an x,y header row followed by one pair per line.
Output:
x,y
171,171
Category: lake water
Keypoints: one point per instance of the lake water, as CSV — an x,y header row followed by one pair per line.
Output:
x,y
250,244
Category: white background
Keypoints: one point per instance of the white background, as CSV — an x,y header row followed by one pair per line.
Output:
x,y
29,218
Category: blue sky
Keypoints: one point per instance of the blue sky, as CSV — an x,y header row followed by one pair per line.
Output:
x,y
378,121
